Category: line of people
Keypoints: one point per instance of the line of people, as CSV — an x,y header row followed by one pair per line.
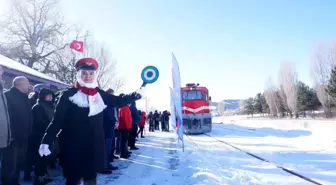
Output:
x,y
80,127
23,122
155,118
121,127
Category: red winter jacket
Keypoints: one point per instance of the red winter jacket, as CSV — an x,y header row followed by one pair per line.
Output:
x,y
143,119
125,118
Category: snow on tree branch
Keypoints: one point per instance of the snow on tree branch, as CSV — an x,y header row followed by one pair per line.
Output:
x,y
34,31
288,84
323,60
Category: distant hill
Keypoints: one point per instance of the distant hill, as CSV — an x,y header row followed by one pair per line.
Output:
x,y
226,105
232,104
213,104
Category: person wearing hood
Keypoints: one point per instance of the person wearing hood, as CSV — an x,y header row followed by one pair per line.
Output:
x,y
136,117
42,115
35,94
33,97
79,114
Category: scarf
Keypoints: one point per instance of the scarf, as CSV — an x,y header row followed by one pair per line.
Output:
x,y
88,96
86,90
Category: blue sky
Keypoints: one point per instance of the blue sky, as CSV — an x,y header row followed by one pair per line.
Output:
x,y
229,46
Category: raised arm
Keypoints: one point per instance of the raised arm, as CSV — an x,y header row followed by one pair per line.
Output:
x,y
57,122
118,101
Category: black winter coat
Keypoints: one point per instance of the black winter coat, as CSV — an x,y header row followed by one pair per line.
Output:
x,y
19,110
41,120
82,141
109,121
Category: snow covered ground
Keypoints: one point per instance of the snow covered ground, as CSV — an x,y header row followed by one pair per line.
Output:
x,y
306,147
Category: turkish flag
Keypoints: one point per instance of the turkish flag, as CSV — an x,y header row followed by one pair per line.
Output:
x,y
77,45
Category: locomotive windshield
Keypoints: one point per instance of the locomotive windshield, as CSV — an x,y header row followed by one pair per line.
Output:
x,y
192,95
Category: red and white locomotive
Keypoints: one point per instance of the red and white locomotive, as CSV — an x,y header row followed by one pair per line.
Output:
x,y
196,113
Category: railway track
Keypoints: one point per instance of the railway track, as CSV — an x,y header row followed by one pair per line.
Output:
x,y
261,159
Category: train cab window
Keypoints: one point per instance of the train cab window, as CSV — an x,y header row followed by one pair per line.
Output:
x,y
206,98
192,95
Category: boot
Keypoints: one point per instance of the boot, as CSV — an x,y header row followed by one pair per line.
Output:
x,y
134,148
125,156
41,180
111,167
90,182
106,172
72,181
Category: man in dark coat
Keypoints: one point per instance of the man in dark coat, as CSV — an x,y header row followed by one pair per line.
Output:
x,y
165,121
110,120
79,114
115,145
136,117
156,120
150,119
19,109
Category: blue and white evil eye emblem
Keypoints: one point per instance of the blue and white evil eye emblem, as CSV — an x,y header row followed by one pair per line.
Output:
x,y
149,74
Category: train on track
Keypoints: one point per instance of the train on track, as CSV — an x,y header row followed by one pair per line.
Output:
x,y
197,118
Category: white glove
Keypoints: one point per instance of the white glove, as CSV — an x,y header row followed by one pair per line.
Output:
x,y
116,125
44,150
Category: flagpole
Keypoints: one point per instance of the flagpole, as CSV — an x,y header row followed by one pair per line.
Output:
x,y
146,105
76,46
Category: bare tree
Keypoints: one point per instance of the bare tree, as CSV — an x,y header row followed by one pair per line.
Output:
x,y
65,59
322,62
107,74
269,96
288,82
283,96
34,31
272,97
65,64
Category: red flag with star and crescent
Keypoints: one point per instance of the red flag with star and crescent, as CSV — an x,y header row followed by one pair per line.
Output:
x,y
77,45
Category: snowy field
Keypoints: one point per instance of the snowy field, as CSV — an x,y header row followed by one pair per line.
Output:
x,y
307,147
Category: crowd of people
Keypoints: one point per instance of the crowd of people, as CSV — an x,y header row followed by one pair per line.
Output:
x,y
156,118
82,128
